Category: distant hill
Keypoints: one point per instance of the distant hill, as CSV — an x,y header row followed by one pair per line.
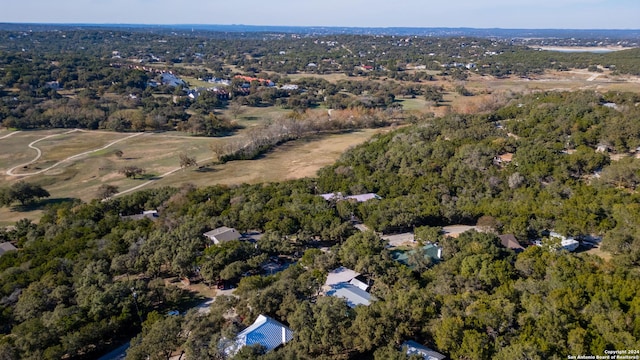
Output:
x,y
318,30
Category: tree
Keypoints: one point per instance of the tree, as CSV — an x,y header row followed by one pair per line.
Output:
x,y
236,109
160,336
22,192
186,160
106,191
118,153
131,171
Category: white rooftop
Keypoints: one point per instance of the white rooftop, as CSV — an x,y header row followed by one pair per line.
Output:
x,y
340,275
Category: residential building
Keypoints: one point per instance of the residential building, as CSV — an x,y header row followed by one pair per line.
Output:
x,y
510,242
349,285
147,214
413,348
222,234
265,331
357,198
431,251
352,294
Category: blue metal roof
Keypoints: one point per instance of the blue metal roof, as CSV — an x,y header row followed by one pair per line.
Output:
x,y
266,332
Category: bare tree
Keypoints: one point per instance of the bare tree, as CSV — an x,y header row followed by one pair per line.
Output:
x,y
236,109
186,160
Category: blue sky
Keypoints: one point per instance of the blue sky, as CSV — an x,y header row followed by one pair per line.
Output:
x,y
531,14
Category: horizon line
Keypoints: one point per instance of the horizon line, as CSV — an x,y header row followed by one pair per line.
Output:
x,y
309,26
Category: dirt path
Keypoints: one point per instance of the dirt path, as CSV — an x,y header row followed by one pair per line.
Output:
x,y
12,133
31,145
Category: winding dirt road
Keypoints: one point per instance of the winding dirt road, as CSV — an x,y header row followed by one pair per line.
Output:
x,y
12,133
10,172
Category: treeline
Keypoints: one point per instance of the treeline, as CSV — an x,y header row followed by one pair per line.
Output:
x,y
296,125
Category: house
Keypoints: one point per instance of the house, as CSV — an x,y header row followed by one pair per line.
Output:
x,y
352,294
6,247
510,242
361,282
265,331
147,214
431,251
413,348
340,275
363,197
357,198
349,285
603,148
569,244
171,80
222,234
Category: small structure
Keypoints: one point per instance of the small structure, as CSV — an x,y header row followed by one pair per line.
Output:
x,y
603,148
357,198
222,234
265,331
510,242
147,214
6,247
413,348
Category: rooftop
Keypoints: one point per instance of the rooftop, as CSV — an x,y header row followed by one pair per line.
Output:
x,y
340,275
510,242
353,294
266,332
414,348
223,233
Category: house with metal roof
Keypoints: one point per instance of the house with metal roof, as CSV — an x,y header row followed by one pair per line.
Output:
x,y
265,331
351,293
431,251
413,348
340,275
222,234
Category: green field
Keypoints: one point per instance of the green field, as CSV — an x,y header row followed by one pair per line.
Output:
x,y
157,153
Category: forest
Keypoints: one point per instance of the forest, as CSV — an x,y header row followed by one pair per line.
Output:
x,y
86,279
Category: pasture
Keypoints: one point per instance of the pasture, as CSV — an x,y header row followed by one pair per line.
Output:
x,y
75,164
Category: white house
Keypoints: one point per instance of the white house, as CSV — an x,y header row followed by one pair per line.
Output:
x,y
222,234
413,348
264,331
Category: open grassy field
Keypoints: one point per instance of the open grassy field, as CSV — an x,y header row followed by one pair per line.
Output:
x,y
157,153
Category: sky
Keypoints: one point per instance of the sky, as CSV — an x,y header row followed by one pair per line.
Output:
x,y
520,14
